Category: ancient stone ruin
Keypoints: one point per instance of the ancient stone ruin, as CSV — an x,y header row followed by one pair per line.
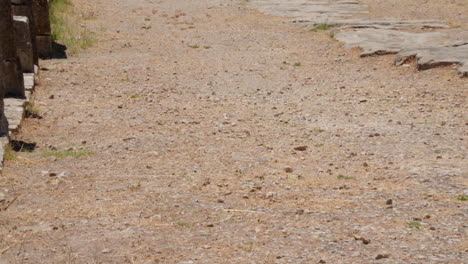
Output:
x,y
25,35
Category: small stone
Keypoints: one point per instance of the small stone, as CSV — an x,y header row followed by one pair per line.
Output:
x,y
300,211
389,202
321,261
382,256
64,174
220,201
288,169
106,251
301,148
52,174
210,225
432,228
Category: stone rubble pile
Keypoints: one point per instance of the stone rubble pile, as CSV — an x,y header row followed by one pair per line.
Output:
x,y
25,36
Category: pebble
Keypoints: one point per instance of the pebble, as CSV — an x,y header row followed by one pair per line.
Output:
x,y
288,169
301,148
64,174
382,256
106,251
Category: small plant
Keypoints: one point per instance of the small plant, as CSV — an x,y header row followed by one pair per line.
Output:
x,y
343,177
66,27
414,225
297,64
9,153
135,187
135,96
323,26
31,111
67,153
194,46
463,197
207,47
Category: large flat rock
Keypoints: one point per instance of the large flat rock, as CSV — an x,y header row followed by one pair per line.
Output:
x,y
377,36
337,13
431,49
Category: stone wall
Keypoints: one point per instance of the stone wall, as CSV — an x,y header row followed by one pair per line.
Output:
x,y
25,35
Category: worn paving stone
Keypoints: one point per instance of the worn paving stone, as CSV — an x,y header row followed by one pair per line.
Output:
x,y
340,13
377,36
430,48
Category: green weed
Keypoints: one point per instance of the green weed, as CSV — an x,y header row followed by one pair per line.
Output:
x,y
343,177
9,153
414,225
321,27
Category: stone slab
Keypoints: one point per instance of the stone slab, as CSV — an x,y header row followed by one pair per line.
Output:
x,y
335,13
432,57
431,49
376,36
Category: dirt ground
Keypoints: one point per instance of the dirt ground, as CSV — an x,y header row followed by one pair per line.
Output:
x,y
217,134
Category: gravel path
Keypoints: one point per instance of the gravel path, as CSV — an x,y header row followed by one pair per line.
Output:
x,y
207,132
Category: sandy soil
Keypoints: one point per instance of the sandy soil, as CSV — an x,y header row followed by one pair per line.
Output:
x,y
221,135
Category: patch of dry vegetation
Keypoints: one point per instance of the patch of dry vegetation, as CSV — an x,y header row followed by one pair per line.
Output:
x,y
66,26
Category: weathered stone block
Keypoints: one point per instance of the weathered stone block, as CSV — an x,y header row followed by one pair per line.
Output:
x,y
24,48
11,75
7,40
44,46
3,120
24,8
41,17
11,78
